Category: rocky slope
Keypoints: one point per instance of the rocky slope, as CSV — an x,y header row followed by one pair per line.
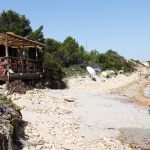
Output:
x,y
10,121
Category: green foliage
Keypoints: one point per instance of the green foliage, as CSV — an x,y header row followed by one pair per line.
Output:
x,y
15,106
102,58
37,35
103,66
62,55
111,52
70,45
69,52
74,51
113,61
4,100
56,50
93,54
10,21
51,45
52,67
118,65
75,70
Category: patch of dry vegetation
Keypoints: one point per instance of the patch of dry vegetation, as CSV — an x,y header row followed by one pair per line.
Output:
x,y
135,91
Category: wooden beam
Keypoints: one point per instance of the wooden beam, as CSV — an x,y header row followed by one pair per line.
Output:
x,y
6,46
36,53
6,53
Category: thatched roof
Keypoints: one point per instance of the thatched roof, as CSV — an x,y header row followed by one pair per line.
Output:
x,y
14,41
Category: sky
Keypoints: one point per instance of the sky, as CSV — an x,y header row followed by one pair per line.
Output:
x,y
120,25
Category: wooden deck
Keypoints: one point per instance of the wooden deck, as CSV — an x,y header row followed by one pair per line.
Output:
x,y
19,58
21,76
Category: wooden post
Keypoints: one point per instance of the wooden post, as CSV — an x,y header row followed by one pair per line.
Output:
x,y
6,46
37,64
36,53
7,85
7,54
23,53
43,55
23,59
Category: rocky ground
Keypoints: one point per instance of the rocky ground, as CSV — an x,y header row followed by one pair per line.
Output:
x,y
96,120
53,125
103,115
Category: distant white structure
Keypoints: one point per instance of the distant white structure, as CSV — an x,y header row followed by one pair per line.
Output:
x,y
145,63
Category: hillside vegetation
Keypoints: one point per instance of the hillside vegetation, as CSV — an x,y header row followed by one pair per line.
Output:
x,y
67,57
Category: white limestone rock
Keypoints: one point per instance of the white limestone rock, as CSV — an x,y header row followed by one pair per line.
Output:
x,y
69,99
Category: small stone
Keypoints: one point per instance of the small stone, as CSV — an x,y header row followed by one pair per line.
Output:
x,y
25,148
69,99
35,134
39,147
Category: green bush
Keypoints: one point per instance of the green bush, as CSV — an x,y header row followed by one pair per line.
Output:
x,y
52,68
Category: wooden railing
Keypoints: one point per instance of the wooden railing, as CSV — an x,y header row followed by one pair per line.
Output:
x,y
20,65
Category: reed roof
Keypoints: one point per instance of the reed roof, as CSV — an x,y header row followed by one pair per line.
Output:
x,y
14,41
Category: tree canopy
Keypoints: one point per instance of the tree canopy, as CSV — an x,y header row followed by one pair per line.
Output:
x,y
37,35
10,21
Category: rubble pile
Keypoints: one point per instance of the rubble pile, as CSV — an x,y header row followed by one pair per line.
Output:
x,y
17,86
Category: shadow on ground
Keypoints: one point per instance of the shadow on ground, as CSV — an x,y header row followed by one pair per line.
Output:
x,y
136,137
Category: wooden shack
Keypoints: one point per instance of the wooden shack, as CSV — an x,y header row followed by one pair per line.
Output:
x,y
19,58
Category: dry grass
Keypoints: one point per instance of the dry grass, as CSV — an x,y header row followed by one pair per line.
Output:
x,y
140,96
135,91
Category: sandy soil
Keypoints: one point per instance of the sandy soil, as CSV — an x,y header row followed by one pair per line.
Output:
x,y
105,115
